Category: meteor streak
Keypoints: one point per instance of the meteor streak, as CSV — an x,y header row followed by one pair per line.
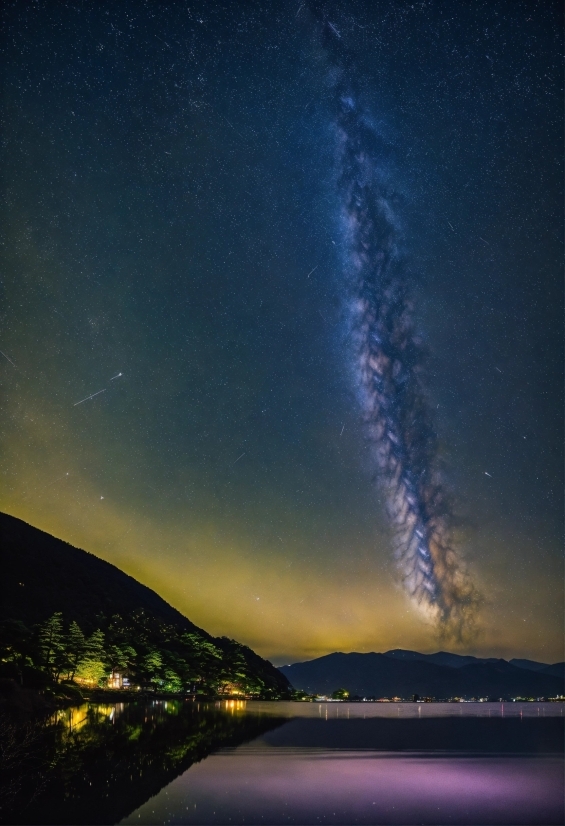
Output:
x,y
7,358
90,397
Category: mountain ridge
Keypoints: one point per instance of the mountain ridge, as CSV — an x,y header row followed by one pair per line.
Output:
x,y
31,557
381,675
459,660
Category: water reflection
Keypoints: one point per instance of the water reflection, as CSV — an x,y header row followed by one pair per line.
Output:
x,y
265,785
335,710
380,764
97,763
252,762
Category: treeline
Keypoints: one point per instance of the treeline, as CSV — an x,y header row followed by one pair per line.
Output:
x,y
149,653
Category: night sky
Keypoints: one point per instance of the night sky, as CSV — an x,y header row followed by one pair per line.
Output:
x,y
171,214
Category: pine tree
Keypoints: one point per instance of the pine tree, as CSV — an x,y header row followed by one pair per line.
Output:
x,y
76,648
91,668
95,645
120,657
51,643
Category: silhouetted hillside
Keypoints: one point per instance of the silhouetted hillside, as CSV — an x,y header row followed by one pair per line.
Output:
x,y
42,575
530,665
459,660
380,675
440,658
555,670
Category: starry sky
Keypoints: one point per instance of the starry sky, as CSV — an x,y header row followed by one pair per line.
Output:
x,y
170,214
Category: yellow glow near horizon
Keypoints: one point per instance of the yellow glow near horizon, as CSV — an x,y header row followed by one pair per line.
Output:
x,y
286,612
300,614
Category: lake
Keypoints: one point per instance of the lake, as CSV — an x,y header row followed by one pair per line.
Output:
x,y
240,762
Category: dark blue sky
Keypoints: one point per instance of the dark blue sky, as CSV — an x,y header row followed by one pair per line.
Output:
x,y
169,183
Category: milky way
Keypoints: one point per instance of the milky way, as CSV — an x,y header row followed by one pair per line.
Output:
x,y
186,194
388,358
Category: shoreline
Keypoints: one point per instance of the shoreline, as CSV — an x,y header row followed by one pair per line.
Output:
x,y
16,700
31,702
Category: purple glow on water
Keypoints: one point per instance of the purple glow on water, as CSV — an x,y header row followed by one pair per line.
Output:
x,y
259,784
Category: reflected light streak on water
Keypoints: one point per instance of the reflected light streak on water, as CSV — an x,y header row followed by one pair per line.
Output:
x,y
407,710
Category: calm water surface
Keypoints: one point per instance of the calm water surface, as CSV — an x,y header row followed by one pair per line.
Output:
x,y
281,763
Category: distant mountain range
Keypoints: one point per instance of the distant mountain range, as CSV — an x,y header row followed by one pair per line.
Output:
x,y
399,673
458,661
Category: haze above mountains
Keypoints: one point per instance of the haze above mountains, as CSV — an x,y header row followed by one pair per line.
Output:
x,y
42,574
